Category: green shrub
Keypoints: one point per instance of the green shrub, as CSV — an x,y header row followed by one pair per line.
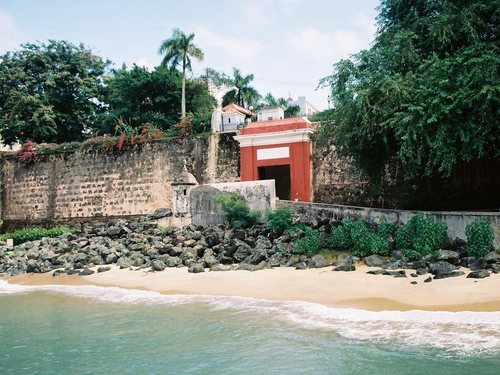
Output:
x,y
355,235
280,219
420,236
385,230
309,244
32,234
236,210
479,238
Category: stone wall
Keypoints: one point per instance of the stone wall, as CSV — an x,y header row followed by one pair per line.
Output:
x,y
85,184
456,221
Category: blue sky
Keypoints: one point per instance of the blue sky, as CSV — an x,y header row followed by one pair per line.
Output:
x,y
287,44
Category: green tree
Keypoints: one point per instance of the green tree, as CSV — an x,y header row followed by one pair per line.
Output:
x,y
242,93
140,97
50,92
425,93
178,50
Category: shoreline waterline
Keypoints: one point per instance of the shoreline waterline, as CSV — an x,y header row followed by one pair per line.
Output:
x,y
320,286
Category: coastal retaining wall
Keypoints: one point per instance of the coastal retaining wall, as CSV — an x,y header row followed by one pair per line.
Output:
x,y
91,184
456,221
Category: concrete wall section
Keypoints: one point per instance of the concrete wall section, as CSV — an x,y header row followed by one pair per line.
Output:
x,y
456,221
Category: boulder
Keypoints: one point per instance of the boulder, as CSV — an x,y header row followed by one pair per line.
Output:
x,y
344,262
208,259
221,267
379,271
374,261
318,261
85,272
451,274
196,268
428,280
478,264
495,267
399,273
449,256
252,267
258,256
158,265
441,268
301,266
422,271
111,258
103,269
481,274
492,257
275,260
160,213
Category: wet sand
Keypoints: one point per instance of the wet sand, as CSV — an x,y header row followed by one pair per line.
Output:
x,y
336,289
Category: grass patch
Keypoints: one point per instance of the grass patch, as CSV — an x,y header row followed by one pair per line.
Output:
x,y
32,234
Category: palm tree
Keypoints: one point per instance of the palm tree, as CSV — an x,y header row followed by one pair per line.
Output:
x,y
242,93
178,50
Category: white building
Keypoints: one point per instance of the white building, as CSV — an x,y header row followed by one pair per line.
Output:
x,y
271,113
306,108
231,118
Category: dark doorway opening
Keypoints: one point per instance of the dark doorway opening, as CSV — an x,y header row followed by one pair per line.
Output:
x,y
281,175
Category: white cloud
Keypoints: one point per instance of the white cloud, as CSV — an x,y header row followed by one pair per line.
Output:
x,y
224,52
367,25
10,35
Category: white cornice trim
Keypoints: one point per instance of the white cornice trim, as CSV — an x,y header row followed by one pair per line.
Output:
x,y
276,138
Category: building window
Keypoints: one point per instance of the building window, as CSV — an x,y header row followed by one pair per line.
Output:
x,y
229,120
270,118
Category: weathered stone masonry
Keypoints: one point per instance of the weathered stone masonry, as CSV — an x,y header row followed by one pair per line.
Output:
x,y
88,184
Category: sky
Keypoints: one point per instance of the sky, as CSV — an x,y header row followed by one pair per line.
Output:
x,y
289,45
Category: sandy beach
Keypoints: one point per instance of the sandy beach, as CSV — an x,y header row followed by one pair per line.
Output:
x,y
335,289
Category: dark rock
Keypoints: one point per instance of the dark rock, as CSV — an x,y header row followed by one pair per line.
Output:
x,y
318,261
251,267
258,256
103,269
196,268
86,272
379,271
32,266
374,261
345,268
478,274
239,234
208,259
275,260
449,256
161,212
492,257
158,265
428,280
124,262
114,232
397,255
221,267
212,240
467,261
399,273
414,283
451,274
422,271
442,268
57,272
111,258
495,267
72,272
301,266
413,275
478,264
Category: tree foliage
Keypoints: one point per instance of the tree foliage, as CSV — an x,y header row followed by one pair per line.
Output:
x,y
427,92
50,92
241,93
178,51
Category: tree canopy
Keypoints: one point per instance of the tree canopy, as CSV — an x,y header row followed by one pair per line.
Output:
x,y
50,92
241,93
178,51
427,92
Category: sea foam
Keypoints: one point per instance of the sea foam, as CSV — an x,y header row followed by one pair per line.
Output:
x,y
465,332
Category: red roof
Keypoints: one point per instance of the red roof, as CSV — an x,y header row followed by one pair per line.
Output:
x,y
231,108
273,126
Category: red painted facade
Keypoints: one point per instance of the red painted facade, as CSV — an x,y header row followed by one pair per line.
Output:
x,y
292,134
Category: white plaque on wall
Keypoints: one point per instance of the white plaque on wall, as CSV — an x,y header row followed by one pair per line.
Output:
x,y
273,153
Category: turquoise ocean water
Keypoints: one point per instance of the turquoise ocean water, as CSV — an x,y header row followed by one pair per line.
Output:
x,y
95,330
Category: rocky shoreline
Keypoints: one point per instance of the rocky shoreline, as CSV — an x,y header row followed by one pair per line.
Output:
x,y
141,245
